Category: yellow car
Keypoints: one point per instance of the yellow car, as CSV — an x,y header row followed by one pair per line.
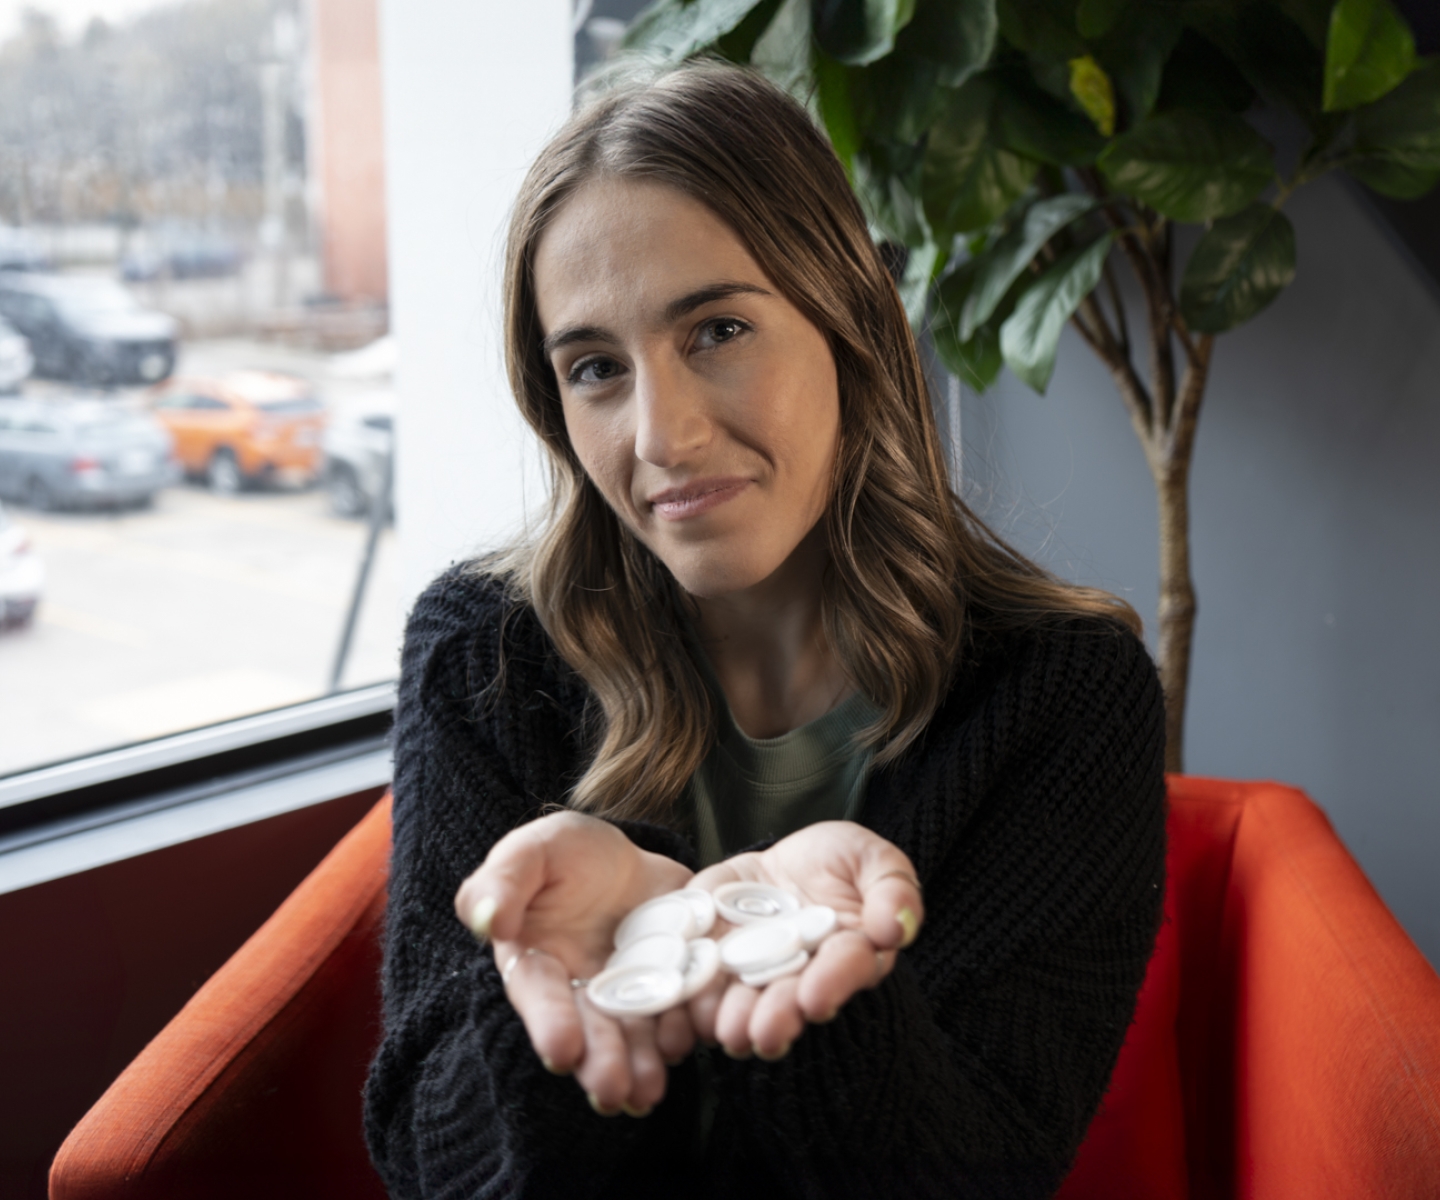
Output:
x,y
243,427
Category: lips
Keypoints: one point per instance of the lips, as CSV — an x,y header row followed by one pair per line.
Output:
x,y
693,499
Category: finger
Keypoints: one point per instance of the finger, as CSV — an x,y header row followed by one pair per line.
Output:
x,y
539,988
492,901
647,1070
675,1035
704,1008
894,908
605,1071
732,1022
776,1020
845,963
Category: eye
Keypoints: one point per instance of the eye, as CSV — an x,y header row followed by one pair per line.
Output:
x,y
595,369
721,330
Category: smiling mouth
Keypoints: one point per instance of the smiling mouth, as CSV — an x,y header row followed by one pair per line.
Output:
x,y
678,504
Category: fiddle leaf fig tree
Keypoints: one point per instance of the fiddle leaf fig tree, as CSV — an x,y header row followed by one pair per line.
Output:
x,y
1026,154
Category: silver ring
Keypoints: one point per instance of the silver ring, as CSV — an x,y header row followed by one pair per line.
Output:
x,y
577,984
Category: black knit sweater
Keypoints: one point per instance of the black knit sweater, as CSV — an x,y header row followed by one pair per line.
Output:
x,y
1033,811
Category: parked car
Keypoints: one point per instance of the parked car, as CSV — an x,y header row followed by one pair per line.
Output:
x,y
244,427
88,328
22,250
359,448
16,362
81,453
181,254
22,575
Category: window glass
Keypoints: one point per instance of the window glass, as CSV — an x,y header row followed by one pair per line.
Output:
x,y
190,190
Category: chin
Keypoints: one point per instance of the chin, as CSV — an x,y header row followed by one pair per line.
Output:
x,y
711,579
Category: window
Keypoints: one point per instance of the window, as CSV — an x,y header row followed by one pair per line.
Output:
x,y
200,186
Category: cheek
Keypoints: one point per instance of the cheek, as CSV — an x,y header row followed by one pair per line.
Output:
x,y
604,451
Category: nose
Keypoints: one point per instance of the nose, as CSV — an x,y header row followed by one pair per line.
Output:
x,y
671,423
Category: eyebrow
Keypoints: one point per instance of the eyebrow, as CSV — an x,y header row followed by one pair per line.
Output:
x,y
676,309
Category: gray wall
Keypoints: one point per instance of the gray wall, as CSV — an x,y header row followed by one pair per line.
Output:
x,y
1315,501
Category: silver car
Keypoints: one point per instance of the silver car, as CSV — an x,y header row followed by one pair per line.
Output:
x,y
82,454
22,576
16,362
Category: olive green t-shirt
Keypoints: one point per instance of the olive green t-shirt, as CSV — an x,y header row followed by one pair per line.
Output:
x,y
749,789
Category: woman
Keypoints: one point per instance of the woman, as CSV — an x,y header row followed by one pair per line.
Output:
x,y
758,635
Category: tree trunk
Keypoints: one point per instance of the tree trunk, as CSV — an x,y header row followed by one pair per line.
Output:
x,y
1177,599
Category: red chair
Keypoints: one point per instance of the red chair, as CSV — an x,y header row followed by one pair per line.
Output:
x,y
1287,1042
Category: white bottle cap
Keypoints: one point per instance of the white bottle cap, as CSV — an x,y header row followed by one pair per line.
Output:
x,y
760,946
670,913
703,966
814,923
666,951
742,903
791,966
637,991
702,904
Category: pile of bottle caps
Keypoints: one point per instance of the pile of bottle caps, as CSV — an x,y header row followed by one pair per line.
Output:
x,y
663,955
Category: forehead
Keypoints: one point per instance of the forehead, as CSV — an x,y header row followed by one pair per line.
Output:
x,y
624,248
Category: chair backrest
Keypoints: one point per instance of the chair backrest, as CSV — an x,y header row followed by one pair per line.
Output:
x,y
254,1088
1286,1043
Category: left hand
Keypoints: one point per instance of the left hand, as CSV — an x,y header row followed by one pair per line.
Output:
x,y
871,885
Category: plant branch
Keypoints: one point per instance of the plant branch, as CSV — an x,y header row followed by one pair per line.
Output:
x,y
1122,325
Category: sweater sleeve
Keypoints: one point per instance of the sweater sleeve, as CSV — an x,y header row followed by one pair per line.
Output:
x,y
1036,821
457,1103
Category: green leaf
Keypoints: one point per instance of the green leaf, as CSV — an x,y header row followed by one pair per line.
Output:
x,y
1043,29
1004,262
739,43
968,178
921,266
1035,125
1312,16
1197,75
887,181
1095,17
1269,49
1190,166
1134,53
1403,127
976,360
1030,335
859,31
1240,264
956,35
1369,51
672,30
897,98
1393,179
782,52
837,111
1094,92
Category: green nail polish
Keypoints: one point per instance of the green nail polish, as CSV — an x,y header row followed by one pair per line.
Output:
x,y
776,1057
909,926
481,916
634,1112
600,1108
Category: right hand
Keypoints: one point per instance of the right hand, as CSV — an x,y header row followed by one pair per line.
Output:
x,y
549,896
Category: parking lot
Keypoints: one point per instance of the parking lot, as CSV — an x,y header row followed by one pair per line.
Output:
x,y
198,609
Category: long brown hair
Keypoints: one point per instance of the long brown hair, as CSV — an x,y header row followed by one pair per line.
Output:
x,y
911,568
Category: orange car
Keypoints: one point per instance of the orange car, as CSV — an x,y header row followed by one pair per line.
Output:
x,y
243,427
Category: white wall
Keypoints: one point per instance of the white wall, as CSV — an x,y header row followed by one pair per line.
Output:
x,y
472,90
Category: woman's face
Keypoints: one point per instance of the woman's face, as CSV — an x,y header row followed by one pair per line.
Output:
x,y
699,400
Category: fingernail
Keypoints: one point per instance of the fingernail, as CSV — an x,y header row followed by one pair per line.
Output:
x,y
600,1108
776,1057
738,1056
551,1067
481,916
634,1112
909,924
828,1017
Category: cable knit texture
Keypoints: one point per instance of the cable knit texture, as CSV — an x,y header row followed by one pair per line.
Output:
x,y
1033,810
